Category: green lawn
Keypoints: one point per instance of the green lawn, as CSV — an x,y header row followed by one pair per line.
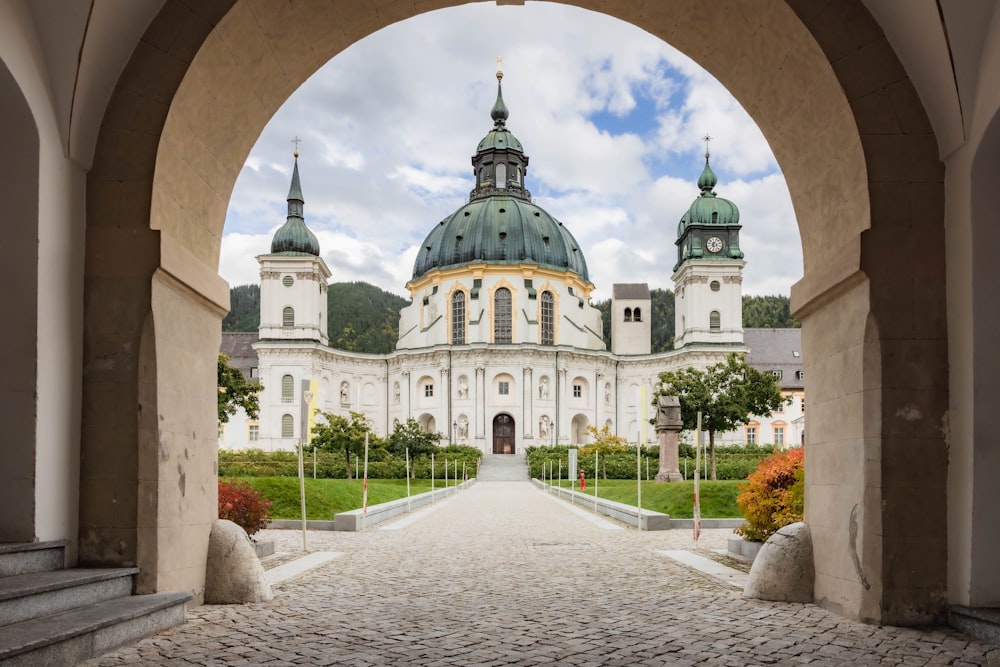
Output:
x,y
718,499
326,497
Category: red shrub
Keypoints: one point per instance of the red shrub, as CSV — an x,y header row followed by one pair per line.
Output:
x,y
243,505
772,496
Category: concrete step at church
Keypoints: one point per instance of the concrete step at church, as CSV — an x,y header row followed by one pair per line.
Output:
x,y
503,468
51,615
979,622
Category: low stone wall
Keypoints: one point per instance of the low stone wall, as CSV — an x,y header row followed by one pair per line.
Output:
x,y
743,549
629,513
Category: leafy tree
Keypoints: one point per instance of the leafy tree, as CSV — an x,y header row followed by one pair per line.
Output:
x,y
410,435
726,394
236,391
336,433
604,442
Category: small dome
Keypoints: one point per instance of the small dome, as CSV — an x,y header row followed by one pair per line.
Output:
x,y
499,139
500,230
708,208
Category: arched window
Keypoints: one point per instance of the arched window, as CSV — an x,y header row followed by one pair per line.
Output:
x,y
637,315
288,317
501,175
502,316
713,321
287,426
287,388
628,314
458,318
548,319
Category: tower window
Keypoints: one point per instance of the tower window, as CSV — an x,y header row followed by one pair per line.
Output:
x,y
628,314
288,317
287,388
548,318
503,388
458,318
501,175
458,249
637,315
713,321
287,426
428,390
288,281
502,316
577,391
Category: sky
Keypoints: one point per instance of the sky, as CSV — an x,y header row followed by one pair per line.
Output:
x,y
611,118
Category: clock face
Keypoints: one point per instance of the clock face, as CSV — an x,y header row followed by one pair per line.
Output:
x,y
714,244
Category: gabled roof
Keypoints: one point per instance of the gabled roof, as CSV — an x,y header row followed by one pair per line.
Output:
x,y
777,350
239,348
630,291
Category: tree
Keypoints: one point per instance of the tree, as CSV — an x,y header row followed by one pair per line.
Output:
x,y
236,391
726,394
347,434
410,435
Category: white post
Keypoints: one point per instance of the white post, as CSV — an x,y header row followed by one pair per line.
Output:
x,y
407,479
432,476
643,423
314,464
697,464
364,490
596,468
302,494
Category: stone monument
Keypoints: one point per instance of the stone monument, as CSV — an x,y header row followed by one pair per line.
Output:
x,y
668,425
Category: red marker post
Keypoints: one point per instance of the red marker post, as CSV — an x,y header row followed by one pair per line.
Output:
x,y
583,479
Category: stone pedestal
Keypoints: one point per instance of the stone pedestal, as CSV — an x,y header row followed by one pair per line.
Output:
x,y
669,468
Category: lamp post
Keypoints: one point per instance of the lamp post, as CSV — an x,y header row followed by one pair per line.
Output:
x,y
454,432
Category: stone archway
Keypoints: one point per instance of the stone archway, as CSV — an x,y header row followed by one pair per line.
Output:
x,y
816,79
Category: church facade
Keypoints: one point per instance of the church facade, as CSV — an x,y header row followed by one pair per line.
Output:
x,y
500,347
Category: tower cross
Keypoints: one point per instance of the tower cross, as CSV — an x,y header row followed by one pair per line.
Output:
x,y
707,138
296,141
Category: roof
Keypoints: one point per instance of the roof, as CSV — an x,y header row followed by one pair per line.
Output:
x,y
293,237
239,348
777,350
630,291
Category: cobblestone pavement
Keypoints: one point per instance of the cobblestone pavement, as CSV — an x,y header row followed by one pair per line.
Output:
x,y
502,575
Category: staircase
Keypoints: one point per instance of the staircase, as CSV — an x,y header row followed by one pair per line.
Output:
x,y
50,615
503,468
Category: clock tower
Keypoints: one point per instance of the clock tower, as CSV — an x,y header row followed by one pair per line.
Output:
x,y
708,276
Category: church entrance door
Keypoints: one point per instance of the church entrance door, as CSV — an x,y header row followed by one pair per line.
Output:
x,y
503,434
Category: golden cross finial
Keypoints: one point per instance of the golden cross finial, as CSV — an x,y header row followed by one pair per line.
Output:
x,y
296,141
499,67
706,139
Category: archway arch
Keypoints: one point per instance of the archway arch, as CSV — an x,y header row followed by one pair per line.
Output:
x,y
816,81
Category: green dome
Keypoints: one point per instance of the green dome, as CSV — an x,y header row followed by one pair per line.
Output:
x,y
500,230
293,237
709,209
499,139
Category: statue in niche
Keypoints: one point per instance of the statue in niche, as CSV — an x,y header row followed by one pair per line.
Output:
x,y
463,388
463,427
345,393
543,388
544,431
607,393
395,393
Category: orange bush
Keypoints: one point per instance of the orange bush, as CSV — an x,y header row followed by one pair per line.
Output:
x,y
772,496
243,505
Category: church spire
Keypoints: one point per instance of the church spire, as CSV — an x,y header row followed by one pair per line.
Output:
x,y
294,237
708,179
499,112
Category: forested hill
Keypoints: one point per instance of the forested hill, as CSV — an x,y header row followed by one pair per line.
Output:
x,y
365,318
360,317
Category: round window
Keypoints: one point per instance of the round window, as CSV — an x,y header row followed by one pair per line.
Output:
x,y
714,285
287,281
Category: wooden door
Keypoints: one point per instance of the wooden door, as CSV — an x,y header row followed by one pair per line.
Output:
x,y
503,434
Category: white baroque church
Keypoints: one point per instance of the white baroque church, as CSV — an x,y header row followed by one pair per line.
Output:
x,y
500,347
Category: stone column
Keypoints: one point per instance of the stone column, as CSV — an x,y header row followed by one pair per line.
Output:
x,y
480,402
668,425
527,415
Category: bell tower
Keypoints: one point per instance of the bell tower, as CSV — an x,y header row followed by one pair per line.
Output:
x,y
708,276
293,278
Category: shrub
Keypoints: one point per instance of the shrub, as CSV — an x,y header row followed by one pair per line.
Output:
x,y
772,496
243,505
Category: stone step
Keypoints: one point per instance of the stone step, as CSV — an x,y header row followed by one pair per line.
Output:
x,y
23,557
979,622
27,596
503,468
79,634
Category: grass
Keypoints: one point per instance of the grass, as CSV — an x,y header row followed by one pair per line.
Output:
x,y
718,499
326,497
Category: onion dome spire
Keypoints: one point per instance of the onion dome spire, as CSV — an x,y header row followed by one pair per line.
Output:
x,y
499,113
707,180
293,237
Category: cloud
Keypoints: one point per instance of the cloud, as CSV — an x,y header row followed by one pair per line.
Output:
x,y
612,127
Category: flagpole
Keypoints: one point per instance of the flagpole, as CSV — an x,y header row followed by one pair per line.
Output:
x,y
697,464
364,489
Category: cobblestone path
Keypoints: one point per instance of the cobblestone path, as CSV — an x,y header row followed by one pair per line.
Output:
x,y
504,575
